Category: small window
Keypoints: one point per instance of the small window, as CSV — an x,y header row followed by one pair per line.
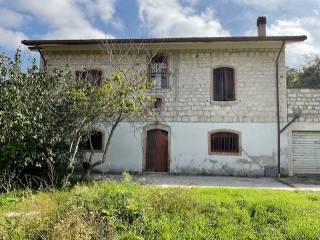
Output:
x,y
92,76
96,141
223,84
157,104
224,142
158,71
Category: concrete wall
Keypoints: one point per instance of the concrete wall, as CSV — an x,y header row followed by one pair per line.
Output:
x,y
308,101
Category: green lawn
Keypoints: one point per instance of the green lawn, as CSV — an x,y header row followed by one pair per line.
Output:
x,y
108,210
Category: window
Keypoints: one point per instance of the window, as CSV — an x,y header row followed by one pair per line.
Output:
x,y
224,142
157,104
93,76
96,141
223,84
158,71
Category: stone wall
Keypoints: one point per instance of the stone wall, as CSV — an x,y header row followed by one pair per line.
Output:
x,y
308,101
189,98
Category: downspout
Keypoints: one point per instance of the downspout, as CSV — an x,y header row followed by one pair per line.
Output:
x,y
278,106
42,57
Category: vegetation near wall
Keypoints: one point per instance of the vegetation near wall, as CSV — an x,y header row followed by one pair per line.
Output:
x,y
126,211
44,115
307,76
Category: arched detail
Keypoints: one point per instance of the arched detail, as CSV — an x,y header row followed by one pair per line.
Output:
x,y
98,136
224,142
223,88
148,128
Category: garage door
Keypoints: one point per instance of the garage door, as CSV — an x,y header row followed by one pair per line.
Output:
x,y
306,152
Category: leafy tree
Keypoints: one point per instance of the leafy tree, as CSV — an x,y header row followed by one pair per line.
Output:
x,y
293,78
45,114
40,121
308,76
121,98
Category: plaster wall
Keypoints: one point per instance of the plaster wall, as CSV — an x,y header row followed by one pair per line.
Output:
x,y
189,149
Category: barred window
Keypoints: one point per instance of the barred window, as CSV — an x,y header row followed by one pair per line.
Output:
x,y
96,141
223,84
224,142
158,71
92,76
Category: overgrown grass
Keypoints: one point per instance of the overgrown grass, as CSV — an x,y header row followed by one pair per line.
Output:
x,y
108,210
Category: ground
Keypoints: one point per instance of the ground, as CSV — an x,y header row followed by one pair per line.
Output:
x,y
124,210
167,180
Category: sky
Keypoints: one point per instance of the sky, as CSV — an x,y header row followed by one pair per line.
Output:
x,y
81,19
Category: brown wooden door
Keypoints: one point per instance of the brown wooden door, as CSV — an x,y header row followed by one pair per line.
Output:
x,y
157,151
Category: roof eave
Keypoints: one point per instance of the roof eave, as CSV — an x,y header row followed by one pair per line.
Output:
x,y
37,43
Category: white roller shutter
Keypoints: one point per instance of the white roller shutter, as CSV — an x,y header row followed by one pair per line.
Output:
x,y
306,152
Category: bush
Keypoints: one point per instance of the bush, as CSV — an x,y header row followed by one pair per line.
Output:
x,y
38,118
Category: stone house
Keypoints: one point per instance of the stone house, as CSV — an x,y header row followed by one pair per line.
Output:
x,y
225,108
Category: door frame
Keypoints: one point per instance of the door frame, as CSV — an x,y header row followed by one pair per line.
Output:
x,y
147,128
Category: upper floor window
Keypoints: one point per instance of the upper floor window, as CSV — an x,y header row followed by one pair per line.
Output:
x,y
157,104
96,139
93,76
224,142
223,84
158,71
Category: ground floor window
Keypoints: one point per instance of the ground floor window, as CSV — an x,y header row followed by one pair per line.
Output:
x,y
224,142
96,141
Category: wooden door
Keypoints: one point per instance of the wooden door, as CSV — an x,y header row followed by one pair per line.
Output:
x,y
157,151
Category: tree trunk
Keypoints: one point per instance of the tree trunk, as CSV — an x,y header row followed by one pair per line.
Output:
x,y
86,165
70,165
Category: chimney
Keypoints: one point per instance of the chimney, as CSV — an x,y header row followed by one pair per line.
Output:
x,y
261,24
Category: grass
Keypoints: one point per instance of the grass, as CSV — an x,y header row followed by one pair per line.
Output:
x,y
109,210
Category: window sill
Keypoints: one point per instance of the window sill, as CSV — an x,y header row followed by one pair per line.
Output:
x,y
225,154
225,103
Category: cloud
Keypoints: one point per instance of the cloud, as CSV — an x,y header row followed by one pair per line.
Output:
x,y
168,18
270,4
63,18
105,10
13,19
10,39
297,52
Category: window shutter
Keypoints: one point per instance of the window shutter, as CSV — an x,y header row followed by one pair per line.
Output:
x,y
229,84
218,85
223,84
98,77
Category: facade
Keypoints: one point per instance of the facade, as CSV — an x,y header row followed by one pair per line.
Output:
x,y
218,105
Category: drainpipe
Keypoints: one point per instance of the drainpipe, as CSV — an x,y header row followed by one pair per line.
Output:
x,y
278,105
42,57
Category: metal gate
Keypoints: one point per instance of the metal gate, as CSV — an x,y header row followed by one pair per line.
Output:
x,y
306,152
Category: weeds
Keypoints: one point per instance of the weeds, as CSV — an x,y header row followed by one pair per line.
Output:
x,y
108,210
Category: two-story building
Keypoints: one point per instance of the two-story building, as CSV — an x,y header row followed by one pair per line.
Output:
x,y
222,101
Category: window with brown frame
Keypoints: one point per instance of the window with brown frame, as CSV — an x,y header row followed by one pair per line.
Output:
x,y
223,84
158,71
92,76
96,141
224,142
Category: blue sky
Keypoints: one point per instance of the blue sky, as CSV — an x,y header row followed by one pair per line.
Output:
x,y
70,19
